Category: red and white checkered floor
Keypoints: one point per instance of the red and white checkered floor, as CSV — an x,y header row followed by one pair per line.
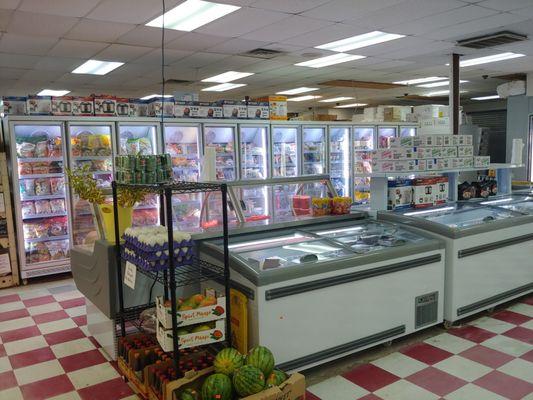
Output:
x,y
46,353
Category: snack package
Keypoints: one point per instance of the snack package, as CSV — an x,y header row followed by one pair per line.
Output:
x,y
28,208
39,253
57,206
466,191
57,186
55,167
341,205
27,187
26,150
40,168
25,168
42,187
57,226
321,206
54,147
41,149
42,207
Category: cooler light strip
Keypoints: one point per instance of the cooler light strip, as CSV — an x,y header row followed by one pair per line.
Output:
x,y
430,211
264,241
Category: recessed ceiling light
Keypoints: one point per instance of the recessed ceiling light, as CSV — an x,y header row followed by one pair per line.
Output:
x,y
420,80
489,59
51,92
356,42
441,92
192,14
329,60
223,87
437,84
353,105
303,98
227,77
96,67
335,99
153,96
492,97
298,90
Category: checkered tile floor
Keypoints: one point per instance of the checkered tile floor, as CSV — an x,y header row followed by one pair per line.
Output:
x,y
490,358
46,352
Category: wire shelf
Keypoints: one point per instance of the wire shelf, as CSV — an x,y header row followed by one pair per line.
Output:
x,y
175,187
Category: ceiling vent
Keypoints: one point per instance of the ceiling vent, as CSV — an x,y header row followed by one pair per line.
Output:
x,y
492,40
265,54
172,81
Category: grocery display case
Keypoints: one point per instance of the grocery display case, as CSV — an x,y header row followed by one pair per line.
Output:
x,y
254,150
303,282
488,253
313,150
408,131
384,134
285,144
38,161
364,141
223,139
339,158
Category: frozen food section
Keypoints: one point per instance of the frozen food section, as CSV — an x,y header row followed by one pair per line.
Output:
x,y
488,253
339,159
284,151
254,151
313,150
407,131
364,141
222,139
384,135
182,142
41,205
388,277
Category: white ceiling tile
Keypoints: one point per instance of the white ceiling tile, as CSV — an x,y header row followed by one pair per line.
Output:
x,y
129,11
325,35
76,48
237,46
404,45
342,10
5,16
429,48
265,65
18,60
98,31
287,28
67,8
240,3
59,63
11,73
148,36
392,64
40,75
31,45
154,57
9,4
122,53
76,80
195,41
528,11
505,5
241,22
199,60
292,6
33,24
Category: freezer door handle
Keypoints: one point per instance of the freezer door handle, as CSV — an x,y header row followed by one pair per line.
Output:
x,y
291,290
493,246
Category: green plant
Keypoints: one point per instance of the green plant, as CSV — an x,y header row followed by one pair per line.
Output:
x,y
128,196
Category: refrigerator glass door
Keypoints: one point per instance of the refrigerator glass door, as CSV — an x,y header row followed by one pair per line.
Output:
x,y
339,159
141,139
384,134
363,144
313,150
254,202
222,139
42,204
284,151
182,142
406,131
90,147
254,164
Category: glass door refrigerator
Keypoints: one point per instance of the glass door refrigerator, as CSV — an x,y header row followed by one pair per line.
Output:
x,y
90,146
313,150
407,131
364,141
183,143
339,158
284,151
138,138
222,139
41,205
384,134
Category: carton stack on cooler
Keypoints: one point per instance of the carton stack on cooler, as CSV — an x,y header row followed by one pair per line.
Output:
x,y
418,193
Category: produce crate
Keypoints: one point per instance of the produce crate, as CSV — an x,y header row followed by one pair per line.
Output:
x,y
191,378
215,335
139,386
190,317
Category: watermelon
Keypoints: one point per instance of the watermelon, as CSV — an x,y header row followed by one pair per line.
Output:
x,y
217,387
276,378
248,380
190,394
227,361
262,358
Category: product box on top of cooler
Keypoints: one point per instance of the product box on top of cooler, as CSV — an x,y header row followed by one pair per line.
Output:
x,y
12,105
138,107
39,105
62,105
234,109
277,106
105,105
441,190
182,108
400,194
258,110
424,192
210,110
123,108
161,106
83,106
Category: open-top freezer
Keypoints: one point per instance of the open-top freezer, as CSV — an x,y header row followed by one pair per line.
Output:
x,y
488,253
338,287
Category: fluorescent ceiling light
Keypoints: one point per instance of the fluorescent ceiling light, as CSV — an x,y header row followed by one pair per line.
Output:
x,y
420,80
303,98
489,59
192,14
329,60
437,84
492,97
153,96
223,87
352,105
335,99
96,67
51,92
441,92
298,90
356,42
227,77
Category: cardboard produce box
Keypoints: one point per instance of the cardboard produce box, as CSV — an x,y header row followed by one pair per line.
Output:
x,y
217,334
190,317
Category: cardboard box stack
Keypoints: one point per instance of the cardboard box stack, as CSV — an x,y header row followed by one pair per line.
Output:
x,y
418,193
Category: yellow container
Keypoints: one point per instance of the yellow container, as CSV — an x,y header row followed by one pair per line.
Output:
x,y
125,217
239,321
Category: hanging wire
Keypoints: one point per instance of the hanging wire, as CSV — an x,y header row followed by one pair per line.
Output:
x,y
163,62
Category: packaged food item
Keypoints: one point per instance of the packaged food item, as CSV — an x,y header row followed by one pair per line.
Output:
x,y
41,149
57,226
42,207
39,253
42,186
26,150
57,186
54,147
40,168
27,187
341,205
28,208
55,167
56,250
57,206
465,191
321,206
25,168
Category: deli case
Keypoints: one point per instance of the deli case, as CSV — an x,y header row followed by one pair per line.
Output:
x,y
340,285
488,253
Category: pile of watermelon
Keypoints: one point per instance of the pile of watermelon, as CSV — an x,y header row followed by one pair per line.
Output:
x,y
238,376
